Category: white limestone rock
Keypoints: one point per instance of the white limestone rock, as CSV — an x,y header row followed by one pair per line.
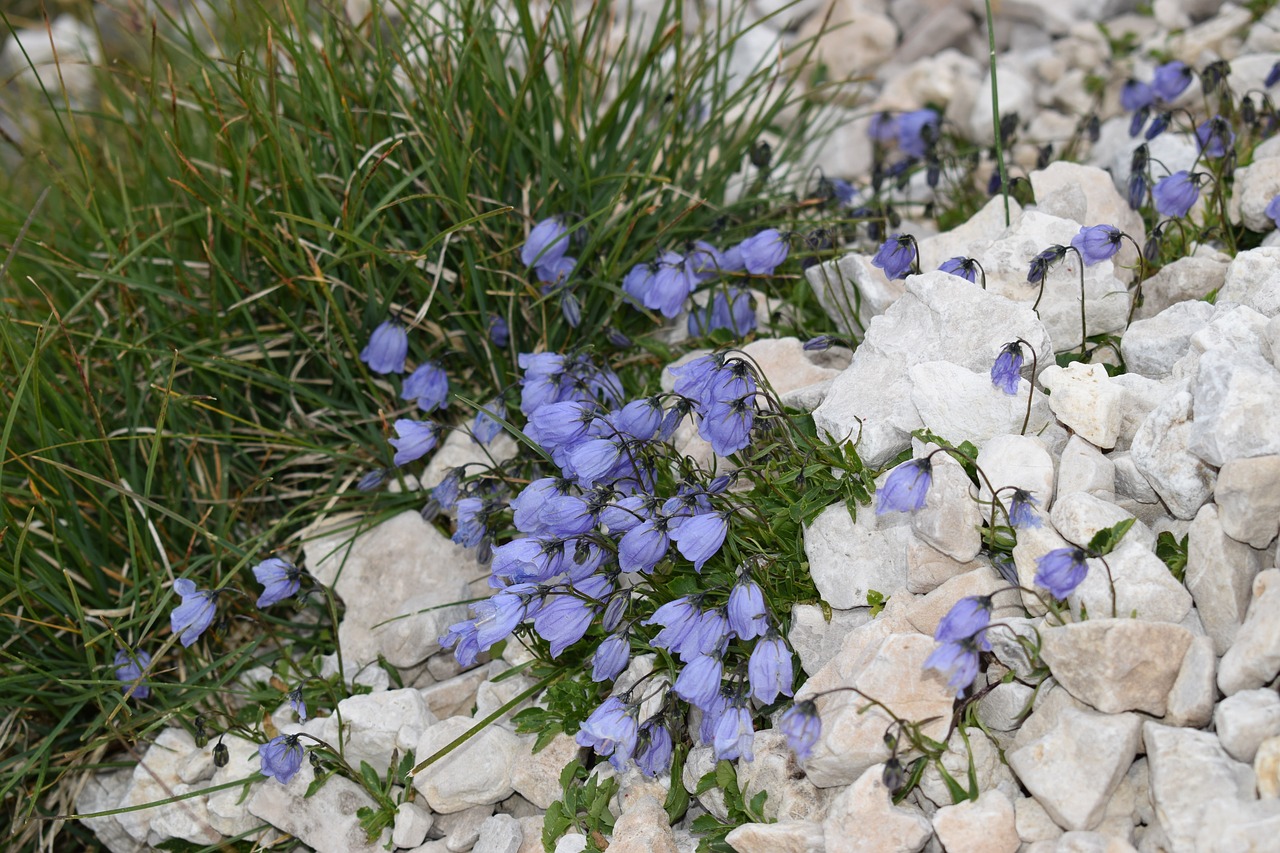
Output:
x,y
1079,516
1020,462
536,775
1219,574
984,825
951,519
1144,588
1184,280
1083,398
1034,823
1255,186
1005,705
1230,825
1266,766
1151,347
326,821
500,833
1189,768
863,819
1235,407
1104,205
156,777
1161,453
789,836
375,725
939,318
989,769
792,797
1082,468
1193,693
479,772
1130,484
1248,499
963,405
461,829
849,558
412,825
892,670
102,793
1253,278
852,291
817,640
1245,719
1254,658
1072,784
397,568
1117,665
1006,259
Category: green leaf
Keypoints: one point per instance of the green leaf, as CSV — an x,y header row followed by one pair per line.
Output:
x,y
677,801
876,601
554,824
1173,553
1106,540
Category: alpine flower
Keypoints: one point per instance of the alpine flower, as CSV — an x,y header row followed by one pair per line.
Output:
x,y
195,614
280,578
281,757
130,665
906,487
387,349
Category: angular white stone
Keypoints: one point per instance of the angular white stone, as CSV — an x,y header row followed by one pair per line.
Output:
x,y
1117,664
951,519
1253,278
326,821
1236,415
1248,499
412,825
817,640
1186,279
1151,347
852,291
1079,516
937,319
1189,768
1160,452
984,825
892,670
1192,695
156,778
377,724
1230,825
1245,719
1104,205
477,772
1266,766
1219,574
863,819
963,405
1083,468
500,833
848,558
789,836
1254,658
1143,587
1082,397
536,775
1130,483
792,797
1072,784
403,560
1021,462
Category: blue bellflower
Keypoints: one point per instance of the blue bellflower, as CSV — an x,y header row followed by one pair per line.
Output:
x,y
677,617
729,310
387,349
965,268
699,538
130,665
958,660
1273,210
499,331
1135,95
486,427
1216,137
917,132
1022,510
1273,76
966,617
416,439
764,252
281,757
547,243
748,616
1175,194
280,578
734,734
1097,243
195,614
1062,570
906,487
895,256
610,657
769,671
1006,371
428,385
298,703
699,682
654,748
802,728
1042,262
1158,126
1171,80
611,731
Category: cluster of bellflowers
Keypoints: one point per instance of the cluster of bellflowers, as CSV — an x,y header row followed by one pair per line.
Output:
x,y
605,520
1152,105
961,634
914,136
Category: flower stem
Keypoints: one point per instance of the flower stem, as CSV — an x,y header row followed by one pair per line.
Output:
x,y
995,113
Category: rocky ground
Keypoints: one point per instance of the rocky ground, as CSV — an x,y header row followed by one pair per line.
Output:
x,y
1159,729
